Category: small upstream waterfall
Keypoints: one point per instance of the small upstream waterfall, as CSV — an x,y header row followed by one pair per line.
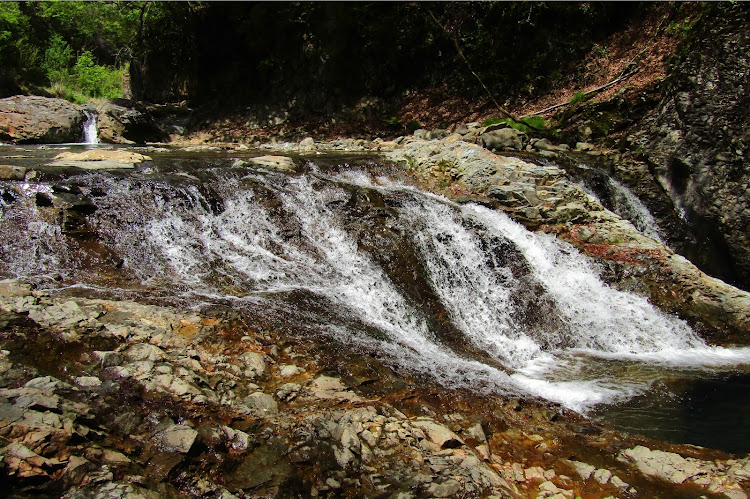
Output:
x,y
631,207
90,133
459,294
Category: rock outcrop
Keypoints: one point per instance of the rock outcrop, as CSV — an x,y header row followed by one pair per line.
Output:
x,y
698,140
40,120
544,198
102,398
122,121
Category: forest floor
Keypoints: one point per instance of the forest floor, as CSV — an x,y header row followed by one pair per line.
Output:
x,y
646,45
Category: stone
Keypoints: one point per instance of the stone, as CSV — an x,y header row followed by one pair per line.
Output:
x,y
288,391
327,387
87,381
307,144
123,121
477,433
100,159
278,163
449,488
546,145
261,403
665,465
176,438
584,146
503,138
602,475
584,470
438,434
40,120
289,370
256,364
10,172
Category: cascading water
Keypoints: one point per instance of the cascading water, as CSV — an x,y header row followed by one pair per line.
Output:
x,y
90,133
631,207
460,294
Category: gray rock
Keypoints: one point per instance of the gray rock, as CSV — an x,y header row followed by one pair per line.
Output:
x,y
122,121
307,144
256,364
288,391
40,120
477,433
327,387
261,403
176,438
498,140
449,488
602,475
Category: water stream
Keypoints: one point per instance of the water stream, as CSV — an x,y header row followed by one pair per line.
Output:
x,y
90,133
458,294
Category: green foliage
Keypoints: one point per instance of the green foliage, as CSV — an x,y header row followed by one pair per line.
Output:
x,y
39,42
526,124
413,125
577,98
57,60
681,29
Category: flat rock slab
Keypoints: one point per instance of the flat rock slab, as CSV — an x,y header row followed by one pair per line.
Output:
x,y
100,159
279,163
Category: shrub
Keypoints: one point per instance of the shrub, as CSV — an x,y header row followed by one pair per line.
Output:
x,y
57,60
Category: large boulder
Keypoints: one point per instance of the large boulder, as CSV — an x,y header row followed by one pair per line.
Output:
x,y
698,140
123,121
498,140
33,119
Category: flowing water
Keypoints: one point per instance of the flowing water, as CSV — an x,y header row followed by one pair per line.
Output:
x,y
90,133
458,294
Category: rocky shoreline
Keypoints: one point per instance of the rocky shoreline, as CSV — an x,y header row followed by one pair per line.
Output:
x,y
101,398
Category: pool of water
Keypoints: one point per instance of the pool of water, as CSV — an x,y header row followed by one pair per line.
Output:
x,y
710,411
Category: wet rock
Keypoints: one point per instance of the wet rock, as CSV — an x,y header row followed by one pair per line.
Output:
x,y
584,470
289,370
176,438
307,144
279,163
100,159
40,120
602,476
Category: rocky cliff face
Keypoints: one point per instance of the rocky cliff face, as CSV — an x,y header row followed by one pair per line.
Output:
x,y
697,140
34,119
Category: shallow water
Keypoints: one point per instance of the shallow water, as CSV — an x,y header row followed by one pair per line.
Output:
x,y
460,295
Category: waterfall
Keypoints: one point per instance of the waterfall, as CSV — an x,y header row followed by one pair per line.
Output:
x,y
629,206
90,133
457,293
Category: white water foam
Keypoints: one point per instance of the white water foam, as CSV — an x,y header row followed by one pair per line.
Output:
x,y
90,133
632,208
